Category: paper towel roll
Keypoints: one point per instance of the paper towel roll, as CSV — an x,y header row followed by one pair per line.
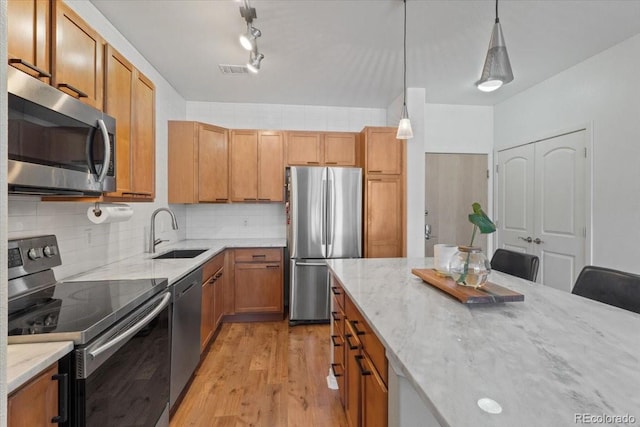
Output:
x,y
107,213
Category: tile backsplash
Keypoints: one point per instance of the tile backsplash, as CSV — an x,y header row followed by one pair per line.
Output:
x,y
238,220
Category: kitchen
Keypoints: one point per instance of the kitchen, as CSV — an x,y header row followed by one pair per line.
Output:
x,y
609,104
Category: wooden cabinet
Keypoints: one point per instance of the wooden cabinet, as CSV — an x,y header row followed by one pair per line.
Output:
x,y
36,403
198,163
130,99
213,274
29,37
384,217
322,148
337,338
384,193
384,154
363,389
77,56
258,281
257,166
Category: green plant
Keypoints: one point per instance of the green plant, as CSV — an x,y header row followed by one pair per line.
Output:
x,y
481,222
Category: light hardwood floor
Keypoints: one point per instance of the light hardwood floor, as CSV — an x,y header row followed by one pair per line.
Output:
x,y
263,374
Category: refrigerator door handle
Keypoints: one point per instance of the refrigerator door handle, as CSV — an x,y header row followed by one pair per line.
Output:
x,y
330,216
323,223
311,264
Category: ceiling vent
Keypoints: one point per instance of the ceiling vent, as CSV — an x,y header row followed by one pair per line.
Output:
x,y
233,69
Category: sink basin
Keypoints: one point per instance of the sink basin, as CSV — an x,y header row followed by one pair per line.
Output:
x,y
181,253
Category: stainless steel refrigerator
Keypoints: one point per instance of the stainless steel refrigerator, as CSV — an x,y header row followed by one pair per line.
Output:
x,y
324,220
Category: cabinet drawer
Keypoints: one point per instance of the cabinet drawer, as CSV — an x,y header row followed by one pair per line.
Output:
x,y
370,342
212,266
337,292
337,318
258,255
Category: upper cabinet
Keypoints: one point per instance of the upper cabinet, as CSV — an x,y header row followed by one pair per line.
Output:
x,y
384,154
29,37
130,99
257,166
77,57
198,163
322,148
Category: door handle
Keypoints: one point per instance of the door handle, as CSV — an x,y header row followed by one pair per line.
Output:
x,y
537,241
427,231
528,239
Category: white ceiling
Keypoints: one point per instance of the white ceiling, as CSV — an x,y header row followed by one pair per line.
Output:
x,y
349,52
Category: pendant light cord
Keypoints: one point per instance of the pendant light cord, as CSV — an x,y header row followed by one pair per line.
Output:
x,y
404,96
497,19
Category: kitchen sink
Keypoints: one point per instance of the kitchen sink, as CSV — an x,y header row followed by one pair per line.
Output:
x,y
181,253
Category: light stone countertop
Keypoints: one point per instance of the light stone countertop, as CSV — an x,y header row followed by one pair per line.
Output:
x,y
25,361
143,266
543,360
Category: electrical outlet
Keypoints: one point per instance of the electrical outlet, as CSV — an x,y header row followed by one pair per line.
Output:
x,y
245,222
88,230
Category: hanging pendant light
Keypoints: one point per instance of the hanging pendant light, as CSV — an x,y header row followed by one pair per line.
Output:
x,y
497,68
404,127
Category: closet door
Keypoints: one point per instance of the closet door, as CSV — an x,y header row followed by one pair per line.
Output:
x,y
541,205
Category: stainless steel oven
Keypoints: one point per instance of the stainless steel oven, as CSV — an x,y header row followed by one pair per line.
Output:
x,y
119,371
57,144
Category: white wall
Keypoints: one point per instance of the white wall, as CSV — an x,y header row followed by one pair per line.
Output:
x,y
84,245
458,129
264,220
602,91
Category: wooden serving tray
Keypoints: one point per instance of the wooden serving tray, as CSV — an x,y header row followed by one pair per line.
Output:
x,y
488,293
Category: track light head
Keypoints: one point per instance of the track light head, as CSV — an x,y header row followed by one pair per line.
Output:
x,y
254,62
247,40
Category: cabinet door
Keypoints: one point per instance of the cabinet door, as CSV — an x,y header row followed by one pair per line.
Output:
x,y
206,319
384,152
28,36
118,104
304,148
244,166
78,56
143,144
270,167
385,212
340,149
374,395
36,403
183,155
213,164
258,288
218,299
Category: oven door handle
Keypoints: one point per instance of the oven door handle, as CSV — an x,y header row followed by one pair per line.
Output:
x,y
134,329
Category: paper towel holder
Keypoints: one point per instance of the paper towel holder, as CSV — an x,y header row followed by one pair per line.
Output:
x,y
96,209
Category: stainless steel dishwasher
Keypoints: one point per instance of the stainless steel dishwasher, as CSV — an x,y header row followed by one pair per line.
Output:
x,y
185,331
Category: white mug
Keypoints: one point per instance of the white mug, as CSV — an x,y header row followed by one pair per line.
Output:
x,y
442,255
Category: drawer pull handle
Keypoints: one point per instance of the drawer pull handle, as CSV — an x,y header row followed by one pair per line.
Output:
x,y
221,199
40,71
330,163
80,93
313,163
348,341
258,256
264,200
273,266
333,369
355,328
335,290
363,372
372,171
335,316
333,340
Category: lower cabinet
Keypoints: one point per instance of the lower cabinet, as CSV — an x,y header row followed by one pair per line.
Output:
x,y
36,403
258,277
363,381
213,275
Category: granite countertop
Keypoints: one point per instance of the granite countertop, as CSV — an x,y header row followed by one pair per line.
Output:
x,y
543,360
143,266
24,361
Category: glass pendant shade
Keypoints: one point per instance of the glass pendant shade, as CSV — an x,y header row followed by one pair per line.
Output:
x,y
404,127
497,68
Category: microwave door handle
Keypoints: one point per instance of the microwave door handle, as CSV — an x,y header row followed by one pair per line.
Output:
x,y
87,151
107,151
134,329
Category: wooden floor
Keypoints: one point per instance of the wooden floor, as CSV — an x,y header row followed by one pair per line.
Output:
x,y
263,374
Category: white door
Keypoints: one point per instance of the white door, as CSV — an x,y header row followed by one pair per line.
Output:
x,y
541,205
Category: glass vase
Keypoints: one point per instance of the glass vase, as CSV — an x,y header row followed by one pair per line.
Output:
x,y
470,267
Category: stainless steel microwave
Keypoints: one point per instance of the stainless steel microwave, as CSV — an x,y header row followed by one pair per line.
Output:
x,y
57,144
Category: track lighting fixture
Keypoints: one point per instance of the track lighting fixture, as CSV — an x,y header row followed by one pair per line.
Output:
x,y
497,68
404,127
254,62
247,40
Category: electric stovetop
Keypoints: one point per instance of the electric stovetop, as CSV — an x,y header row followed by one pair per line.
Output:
x,y
76,311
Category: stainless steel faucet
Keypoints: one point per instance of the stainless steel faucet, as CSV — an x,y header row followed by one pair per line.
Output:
x,y
153,242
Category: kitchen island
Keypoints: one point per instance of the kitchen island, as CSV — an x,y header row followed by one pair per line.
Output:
x,y
555,359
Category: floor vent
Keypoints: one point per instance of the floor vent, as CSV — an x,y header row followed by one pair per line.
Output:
x,y
233,69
